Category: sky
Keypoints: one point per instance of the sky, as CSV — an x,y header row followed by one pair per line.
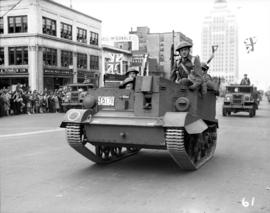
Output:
x,y
186,16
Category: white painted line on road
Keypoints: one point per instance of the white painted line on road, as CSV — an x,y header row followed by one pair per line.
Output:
x,y
31,133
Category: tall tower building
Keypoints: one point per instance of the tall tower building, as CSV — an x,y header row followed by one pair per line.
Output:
x,y
220,28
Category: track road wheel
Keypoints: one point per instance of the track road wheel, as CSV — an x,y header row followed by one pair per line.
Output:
x,y
101,154
190,152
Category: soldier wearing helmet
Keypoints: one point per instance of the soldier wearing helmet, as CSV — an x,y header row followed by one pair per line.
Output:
x,y
245,80
209,83
129,82
187,70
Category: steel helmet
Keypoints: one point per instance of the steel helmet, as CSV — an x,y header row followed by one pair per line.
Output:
x,y
132,69
204,66
183,44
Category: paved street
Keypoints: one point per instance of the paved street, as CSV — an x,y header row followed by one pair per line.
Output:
x,y
40,173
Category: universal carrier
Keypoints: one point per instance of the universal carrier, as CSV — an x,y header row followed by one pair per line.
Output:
x,y
158,114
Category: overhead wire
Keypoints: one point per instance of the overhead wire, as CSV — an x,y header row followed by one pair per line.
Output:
x,y
11,8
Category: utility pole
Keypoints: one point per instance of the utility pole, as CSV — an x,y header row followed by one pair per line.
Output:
x,y
70,1
172,50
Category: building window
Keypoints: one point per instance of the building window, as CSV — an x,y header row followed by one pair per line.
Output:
x,y
82,61
66,58
48,26
161,38
50,56
161,57
18,55
2,56
81,35
17,24
93,38
1,25
94,62
66,31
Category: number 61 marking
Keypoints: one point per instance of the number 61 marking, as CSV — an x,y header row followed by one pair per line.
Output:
x,y
246,203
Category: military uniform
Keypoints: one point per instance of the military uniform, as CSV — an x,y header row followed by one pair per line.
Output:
x,y
188,71
189,68
130,79
208,81
245,81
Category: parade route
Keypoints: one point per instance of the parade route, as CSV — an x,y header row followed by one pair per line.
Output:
x,y
41,173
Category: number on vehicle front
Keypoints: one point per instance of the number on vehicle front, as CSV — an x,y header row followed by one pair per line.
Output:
x,y
106,100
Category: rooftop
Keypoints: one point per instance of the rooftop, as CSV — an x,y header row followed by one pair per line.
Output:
x,y
76,11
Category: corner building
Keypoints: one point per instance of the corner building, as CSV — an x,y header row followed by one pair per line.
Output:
x,y
44,44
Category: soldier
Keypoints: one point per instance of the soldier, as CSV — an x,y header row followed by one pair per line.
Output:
x,y
187,70
245,80
129,82
208,81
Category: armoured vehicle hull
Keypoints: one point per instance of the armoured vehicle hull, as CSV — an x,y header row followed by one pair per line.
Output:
x,y
159,114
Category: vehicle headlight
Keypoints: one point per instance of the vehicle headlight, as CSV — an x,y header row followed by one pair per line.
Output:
x,y
227,98
247,98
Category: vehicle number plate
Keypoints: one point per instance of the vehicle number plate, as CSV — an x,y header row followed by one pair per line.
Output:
x,y
106,100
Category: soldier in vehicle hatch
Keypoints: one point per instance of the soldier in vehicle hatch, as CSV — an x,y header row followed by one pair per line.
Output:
x,y
210,83
245,80
187,70
129,82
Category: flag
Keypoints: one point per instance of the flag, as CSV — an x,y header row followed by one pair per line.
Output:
x,y
112,63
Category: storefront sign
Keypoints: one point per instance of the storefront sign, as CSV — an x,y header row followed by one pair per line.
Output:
x,y
57,72
13,70
88,74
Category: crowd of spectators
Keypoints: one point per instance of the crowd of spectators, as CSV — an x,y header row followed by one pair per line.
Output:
x,y
23,100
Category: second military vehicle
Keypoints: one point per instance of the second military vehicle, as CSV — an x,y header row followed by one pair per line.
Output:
x,y
75,95
158,114
240,98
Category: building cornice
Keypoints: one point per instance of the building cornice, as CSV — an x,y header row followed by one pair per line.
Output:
x,y
44,36
76,11
115,49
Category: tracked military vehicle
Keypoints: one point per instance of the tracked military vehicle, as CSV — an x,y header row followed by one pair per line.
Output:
x,y
158,114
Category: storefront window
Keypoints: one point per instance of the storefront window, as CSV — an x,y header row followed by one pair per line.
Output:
x,y
2,56
25,55
50,56
1,25
18,55
93,38
81,35
94,62
66,31
17,24
82,61
48,26
66,58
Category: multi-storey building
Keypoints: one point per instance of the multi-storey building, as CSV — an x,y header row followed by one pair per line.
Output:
x,y
220,28
158,46
46,45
